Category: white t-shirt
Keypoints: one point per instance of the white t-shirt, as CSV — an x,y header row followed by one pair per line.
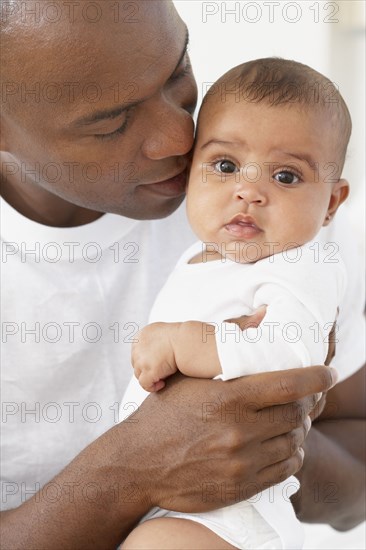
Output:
x,y
69,312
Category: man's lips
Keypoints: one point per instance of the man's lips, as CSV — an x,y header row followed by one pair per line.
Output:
x,y
171,187
243,226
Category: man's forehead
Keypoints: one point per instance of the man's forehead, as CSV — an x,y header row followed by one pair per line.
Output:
x,y
37,13
28,27
122,51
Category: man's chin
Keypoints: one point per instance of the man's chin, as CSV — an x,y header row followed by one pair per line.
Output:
x,y
152,210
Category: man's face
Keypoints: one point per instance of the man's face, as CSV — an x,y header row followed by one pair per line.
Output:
x,y
263,178
109,124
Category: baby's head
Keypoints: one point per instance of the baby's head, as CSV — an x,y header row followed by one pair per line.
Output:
x,y
271,142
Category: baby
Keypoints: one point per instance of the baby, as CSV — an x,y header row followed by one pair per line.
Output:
x,y
271,141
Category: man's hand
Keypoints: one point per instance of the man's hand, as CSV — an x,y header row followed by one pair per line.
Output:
x,y
250,321
333,475
197,445
152,356
224,441
320,406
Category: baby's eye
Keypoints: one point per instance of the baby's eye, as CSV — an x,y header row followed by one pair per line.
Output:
x,y
286,177
225,167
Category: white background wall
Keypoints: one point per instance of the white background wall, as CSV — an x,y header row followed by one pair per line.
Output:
x,y
328,36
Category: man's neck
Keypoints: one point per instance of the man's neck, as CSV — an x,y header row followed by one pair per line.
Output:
x,y
43,207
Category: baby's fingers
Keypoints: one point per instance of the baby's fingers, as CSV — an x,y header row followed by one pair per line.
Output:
x,y
158,385
148,382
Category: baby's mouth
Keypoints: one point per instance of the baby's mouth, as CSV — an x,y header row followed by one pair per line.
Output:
x,y
243,226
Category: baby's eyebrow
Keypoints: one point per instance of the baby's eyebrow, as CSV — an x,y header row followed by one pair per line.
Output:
x,y
221,142
303,157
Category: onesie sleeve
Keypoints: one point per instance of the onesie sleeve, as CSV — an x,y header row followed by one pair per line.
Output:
x,y
302,299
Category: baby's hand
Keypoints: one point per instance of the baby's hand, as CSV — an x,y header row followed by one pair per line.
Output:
x,y
153,355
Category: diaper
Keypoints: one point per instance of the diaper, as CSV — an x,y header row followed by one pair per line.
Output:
x,y
240,525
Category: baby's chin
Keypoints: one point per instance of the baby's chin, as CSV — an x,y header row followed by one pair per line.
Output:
x,y
248,252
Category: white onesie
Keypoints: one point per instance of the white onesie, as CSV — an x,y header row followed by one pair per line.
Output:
x,y
302,289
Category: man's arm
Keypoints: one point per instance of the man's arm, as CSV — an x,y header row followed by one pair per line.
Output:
x,y
158,457
333,474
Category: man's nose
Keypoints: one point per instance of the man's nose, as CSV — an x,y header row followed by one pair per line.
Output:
x,y
169,132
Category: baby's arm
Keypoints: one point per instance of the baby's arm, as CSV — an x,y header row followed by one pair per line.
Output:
x,y
291,335
301,309
190,347
162,347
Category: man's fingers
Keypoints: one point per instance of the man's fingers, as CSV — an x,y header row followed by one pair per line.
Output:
x,y
332,344
272,388
249,321
319,408
284,446
282,470
279,420
294,414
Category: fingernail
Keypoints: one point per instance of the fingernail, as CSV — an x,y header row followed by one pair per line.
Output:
x,y
301,450
335,375
318,396
308,423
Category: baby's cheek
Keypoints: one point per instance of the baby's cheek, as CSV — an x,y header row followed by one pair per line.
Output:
x,y
196,194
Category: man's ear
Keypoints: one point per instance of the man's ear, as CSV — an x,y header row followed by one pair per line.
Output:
x,y
339,194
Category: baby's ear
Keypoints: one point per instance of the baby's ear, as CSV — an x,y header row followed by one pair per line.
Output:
x,y
339,194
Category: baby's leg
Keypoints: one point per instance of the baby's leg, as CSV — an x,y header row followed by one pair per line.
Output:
x,y
174,534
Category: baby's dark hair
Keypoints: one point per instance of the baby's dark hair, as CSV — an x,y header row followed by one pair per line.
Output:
x,y
285,82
